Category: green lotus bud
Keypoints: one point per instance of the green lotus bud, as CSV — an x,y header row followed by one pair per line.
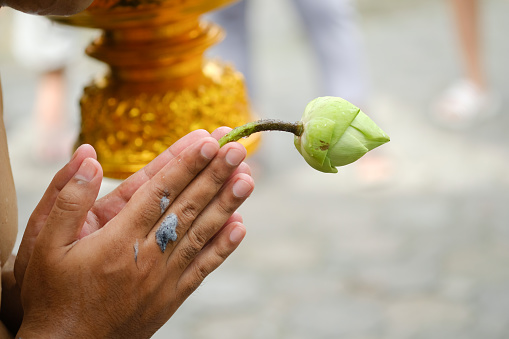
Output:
x,y
336,133
332,133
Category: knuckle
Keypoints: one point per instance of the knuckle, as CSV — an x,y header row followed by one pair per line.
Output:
x,y
188,211
148,213
68,201
222,253
189,165
149,202
145,218
158,191
187,254
196,238
201,272
226,207
189,288
142,220
216,178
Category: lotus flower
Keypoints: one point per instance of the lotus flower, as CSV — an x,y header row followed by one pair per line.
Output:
x,y
336,133
331,133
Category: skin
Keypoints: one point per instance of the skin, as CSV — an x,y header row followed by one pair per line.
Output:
x,y
8,208
467,22
47,7
87,245
8,214
76,267
75,274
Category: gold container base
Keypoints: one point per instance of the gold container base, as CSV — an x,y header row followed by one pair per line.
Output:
x,y
159,87
129,125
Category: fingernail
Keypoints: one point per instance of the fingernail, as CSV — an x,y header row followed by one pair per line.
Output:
x,y
86,172
237,234
241,188
234,157
208,150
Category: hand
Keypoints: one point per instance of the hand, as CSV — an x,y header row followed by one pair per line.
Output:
x,y
116,281
107,207
47,7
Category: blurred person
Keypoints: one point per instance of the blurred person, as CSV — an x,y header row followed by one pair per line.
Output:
x,y
470,99
98,268
47,48
333,33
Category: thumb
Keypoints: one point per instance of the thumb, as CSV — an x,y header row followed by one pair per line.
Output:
x,y
72,205
40,215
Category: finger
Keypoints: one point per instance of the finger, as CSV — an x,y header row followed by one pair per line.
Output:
x,y
210,220
243,168
61,179
220,132
112,203
43,209
72,204
210,258
235,217
189,204
147,204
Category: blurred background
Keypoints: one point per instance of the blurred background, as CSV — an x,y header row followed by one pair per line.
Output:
x,y
411,242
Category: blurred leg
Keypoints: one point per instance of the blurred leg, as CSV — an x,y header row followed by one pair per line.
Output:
x,y
469,101
50,100
467,22
48,49
332,27
54,137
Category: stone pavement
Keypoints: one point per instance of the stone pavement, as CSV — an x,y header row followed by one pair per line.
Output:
x,y
423,253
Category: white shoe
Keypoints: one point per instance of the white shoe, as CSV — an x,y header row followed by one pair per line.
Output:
x,y
463,105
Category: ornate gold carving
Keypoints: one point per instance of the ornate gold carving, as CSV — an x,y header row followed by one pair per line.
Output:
x,y
159,87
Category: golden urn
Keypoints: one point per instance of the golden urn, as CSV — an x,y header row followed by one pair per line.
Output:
x,y
159,87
